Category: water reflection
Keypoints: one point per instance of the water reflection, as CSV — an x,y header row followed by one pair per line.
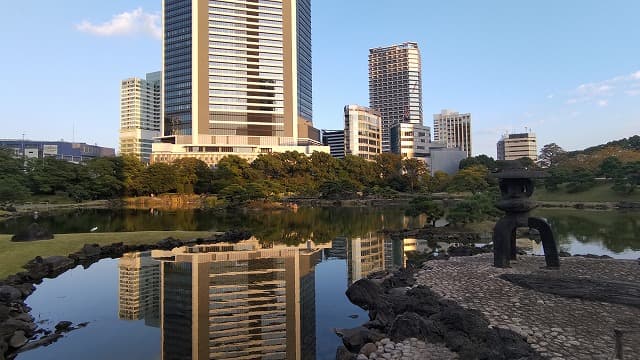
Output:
x,y
139,288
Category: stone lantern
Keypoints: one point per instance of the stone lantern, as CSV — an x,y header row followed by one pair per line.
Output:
x,y
516,187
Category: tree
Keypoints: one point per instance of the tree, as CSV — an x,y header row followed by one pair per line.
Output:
x,y
439,182
132,169
159,178
551,155
388,166
105,178
473,179
414,171
359,170
424,205
610,167
192,175
483,160
12,178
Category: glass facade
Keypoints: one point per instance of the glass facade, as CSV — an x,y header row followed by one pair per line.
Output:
x,y
177,67
303,24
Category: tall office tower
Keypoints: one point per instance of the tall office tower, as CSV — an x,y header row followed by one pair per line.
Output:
x,y
362,132
516,146
365,255
395,86
453,129
334,139
140,113
238,301
237,79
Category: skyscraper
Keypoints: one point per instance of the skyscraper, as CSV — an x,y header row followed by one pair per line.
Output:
x,y
334,139
395,86
453,130
237,79
140,113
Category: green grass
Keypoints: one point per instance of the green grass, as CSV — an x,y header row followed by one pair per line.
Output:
x,y
15,254
598,193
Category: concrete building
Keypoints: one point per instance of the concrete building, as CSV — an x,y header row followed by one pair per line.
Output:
x,y
395,86
140,114
62,150
362,132
334,139
139,288
410,140
365,255
453,129
237,79
442,158
516,146
238,301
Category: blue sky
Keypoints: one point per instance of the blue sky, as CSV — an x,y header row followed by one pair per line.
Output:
x,y
570,70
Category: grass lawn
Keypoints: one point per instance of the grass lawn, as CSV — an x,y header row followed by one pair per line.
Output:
x,y
598,193
15,254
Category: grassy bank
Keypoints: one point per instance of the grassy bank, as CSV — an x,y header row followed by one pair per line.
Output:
x,y
598,193
15,254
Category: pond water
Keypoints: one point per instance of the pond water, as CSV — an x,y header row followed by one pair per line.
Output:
x,y
277,295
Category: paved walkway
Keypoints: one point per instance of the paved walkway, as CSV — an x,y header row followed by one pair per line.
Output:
x,y
558,327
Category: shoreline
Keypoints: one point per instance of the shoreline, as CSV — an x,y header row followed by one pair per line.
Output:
x,y
18,329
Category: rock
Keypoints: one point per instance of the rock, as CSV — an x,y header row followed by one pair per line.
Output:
x,y
564,254
47,340
12,325
63,326
354,339
18,339
33,232
9,294
592,256
365,294
3,348
412,325
343,354
362,357
4,312
368,348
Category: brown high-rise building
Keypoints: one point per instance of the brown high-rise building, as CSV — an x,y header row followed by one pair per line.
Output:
x,y
237,79
395,86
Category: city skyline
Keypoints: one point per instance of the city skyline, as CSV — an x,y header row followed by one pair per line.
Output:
x,y
549,67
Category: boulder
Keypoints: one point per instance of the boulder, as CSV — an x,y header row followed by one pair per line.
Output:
x,y
18,339
354,339
412,325
33,232
368,348
365,294
343,354
63,326
9,294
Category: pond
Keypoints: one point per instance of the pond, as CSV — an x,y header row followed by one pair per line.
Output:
x,y
277,295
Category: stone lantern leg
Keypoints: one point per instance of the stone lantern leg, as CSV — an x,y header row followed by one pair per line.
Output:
x,y
516,188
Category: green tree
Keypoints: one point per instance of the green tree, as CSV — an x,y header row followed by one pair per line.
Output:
x,y
192,175
483,160
425,205
388,166
132,170
610,167
159,178
12,178
439,182
414,172
104,178
551,155
473,179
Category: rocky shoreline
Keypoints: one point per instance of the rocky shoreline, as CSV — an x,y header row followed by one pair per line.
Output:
x,y
18,330
407,318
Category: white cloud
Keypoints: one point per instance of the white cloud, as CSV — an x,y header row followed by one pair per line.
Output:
x,y
134,22
599,93
550,96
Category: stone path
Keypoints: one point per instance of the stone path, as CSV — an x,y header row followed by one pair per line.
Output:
x,y
558,327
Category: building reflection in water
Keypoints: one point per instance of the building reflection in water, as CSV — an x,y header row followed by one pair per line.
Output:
x,y
139,288
238,301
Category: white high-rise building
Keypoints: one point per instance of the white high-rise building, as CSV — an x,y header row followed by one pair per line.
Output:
x,y
140,113
362,132
395,86
453,130
237,79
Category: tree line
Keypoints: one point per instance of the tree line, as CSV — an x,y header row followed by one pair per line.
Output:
x,y
270,176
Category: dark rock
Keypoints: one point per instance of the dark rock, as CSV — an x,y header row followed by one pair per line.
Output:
x,y
615,292
354,339
3,348
169,243
400,278
13,325
368,348
4,312
412,325
63,326
18,339
343,354
45,341
592,256
365,294
9,293
564,254
33,232
353,316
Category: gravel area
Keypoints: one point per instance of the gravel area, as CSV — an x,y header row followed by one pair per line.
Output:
x,y
408,350
557,327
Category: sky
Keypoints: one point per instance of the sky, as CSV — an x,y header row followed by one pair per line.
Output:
x,y
569,70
